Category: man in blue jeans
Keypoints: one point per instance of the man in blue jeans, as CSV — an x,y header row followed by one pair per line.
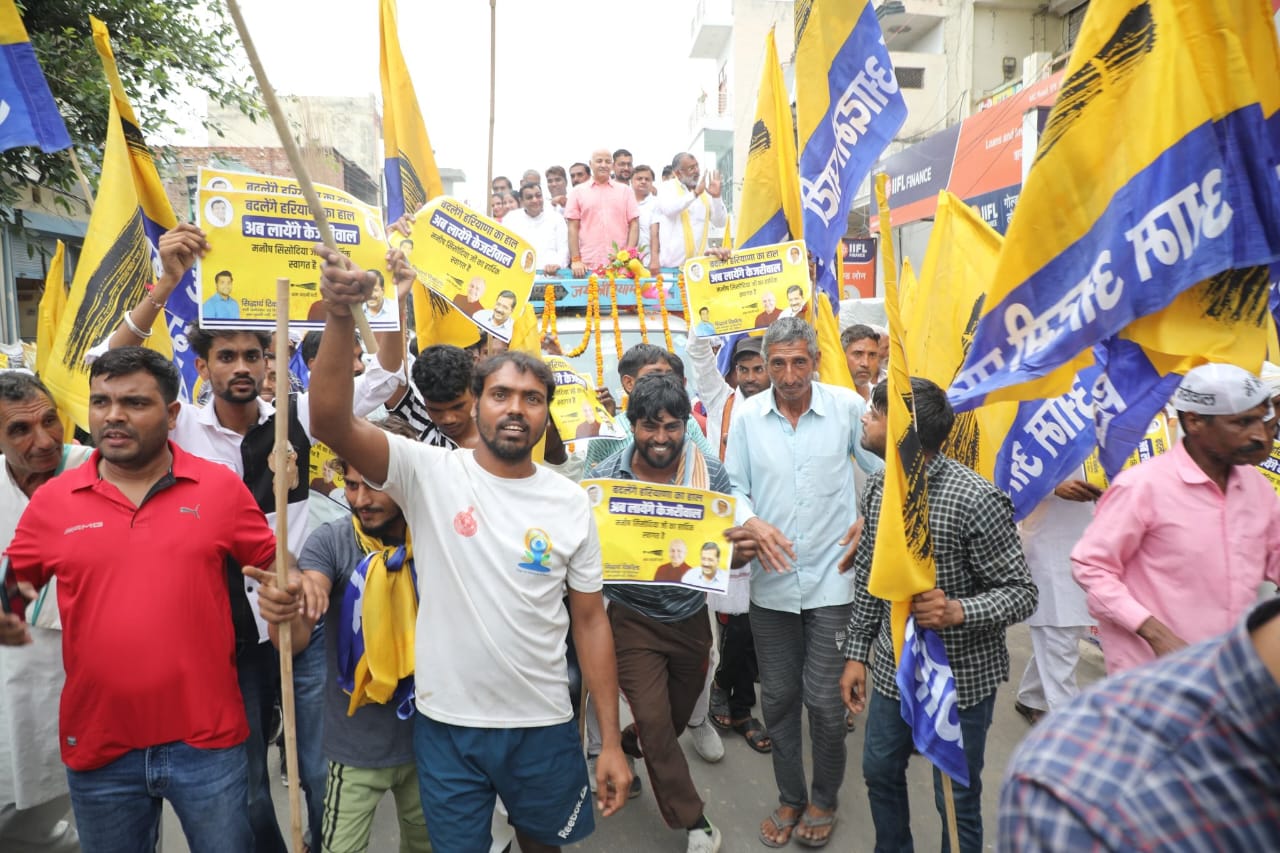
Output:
x,y
138,538
984,585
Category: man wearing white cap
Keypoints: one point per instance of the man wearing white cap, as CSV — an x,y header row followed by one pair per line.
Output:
x,y
1180,544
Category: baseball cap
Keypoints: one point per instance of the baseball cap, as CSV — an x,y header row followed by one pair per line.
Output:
x,y
746,346
1220,389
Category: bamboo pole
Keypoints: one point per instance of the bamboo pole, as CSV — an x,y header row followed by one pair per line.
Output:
x,y
284,633
949,798
291,151
493,88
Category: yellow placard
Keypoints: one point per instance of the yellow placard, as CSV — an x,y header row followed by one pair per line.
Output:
x,y
750,290
485,270
260,228
575,408
651,533
1270,467
1156,441
326,475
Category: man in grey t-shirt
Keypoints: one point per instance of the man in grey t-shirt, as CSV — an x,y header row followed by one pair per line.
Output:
x,y
369,752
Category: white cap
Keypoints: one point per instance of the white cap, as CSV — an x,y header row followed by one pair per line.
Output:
x,y
1220,389
1271,377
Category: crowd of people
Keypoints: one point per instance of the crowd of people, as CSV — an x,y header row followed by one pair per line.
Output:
x,y
453,635
577,221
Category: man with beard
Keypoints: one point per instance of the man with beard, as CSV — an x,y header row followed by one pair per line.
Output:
x,y
139,537
364,565
688,207
862,353
505,537
1180,544
33,783
622,166
237,429
662,633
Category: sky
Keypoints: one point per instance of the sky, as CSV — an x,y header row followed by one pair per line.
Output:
x,y
561,91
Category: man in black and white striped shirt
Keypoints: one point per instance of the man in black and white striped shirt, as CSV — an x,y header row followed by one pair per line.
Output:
x,y
438,403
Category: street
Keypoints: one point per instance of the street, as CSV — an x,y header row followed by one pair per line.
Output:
x,y
740,792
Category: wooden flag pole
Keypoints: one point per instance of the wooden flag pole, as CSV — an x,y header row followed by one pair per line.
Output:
x,y
280,454
493,85
291,151
949,798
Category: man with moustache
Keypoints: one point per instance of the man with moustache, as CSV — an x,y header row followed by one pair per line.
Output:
x,y
362,564
505,536
541,228
33,783
138,538
1180,544
237,429
862,353
662,633
688,207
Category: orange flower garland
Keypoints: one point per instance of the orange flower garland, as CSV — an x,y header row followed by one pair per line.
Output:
x,y
644,330
593,298
684,297
613,310
549,313
666,320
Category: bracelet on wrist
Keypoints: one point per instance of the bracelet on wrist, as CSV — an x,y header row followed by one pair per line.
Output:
x,y
133,327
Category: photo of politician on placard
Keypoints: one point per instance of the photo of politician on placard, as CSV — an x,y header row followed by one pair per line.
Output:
x,y
748,291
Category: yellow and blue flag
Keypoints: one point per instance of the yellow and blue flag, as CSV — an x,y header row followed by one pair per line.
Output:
x,y
848,108
770,208
28,113
118,257
1156,171
410,166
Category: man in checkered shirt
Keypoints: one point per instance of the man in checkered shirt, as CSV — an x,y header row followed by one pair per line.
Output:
x,y
984,586
1179,754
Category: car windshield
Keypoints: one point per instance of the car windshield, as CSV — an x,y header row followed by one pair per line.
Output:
x,y
586,363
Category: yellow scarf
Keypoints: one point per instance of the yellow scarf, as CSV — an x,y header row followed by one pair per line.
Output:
x,y
388,615
691,249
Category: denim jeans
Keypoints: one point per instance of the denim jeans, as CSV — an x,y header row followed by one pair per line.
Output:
x,y
885,753
309,672
117,807
258,670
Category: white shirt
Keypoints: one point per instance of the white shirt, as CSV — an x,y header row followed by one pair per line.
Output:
x,y
31,679
548,233
497,554
1048,534
504,331
674,198
647,207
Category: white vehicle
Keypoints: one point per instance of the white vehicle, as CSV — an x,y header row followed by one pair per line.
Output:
x,y
569,330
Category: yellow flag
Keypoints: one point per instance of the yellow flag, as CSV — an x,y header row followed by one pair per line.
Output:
x,y
770,207
52,303
116,260
902,565
832,367
1155,171
945,306
410,166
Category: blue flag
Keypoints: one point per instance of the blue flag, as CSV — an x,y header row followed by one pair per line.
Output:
x,y
928,690
28,113
848,108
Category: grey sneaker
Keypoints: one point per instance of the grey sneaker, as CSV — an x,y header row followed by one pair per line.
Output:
x,y
706,742
701,841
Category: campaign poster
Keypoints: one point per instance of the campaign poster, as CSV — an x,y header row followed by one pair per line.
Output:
x,y
662,534
750,290
1270,467
485,270
575,408
1156,441
259,229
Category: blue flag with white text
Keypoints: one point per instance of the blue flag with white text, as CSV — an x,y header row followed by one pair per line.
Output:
x,y
929,702
28,113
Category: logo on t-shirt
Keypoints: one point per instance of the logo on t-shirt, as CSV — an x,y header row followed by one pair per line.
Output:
x,y
537,549
465,522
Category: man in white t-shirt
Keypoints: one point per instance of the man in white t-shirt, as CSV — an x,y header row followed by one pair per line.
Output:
x,y
545,230
505,537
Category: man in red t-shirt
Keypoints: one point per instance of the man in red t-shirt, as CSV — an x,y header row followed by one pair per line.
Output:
x,y
138,538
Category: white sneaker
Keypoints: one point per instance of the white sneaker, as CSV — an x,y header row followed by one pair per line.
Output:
x,y
700,841
706,742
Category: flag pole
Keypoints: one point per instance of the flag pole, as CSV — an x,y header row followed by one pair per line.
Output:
x,y
284,636
493,87
949,799
291,151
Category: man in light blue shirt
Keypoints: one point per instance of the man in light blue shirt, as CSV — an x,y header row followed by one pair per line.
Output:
x,y
790,458
221,306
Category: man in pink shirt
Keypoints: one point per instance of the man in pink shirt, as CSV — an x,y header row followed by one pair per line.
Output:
x,y
1180,544
600,213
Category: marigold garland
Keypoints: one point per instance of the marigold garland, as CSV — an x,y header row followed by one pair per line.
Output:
x,y
644,329
613,310
548,313
684,297
593,298
666,320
